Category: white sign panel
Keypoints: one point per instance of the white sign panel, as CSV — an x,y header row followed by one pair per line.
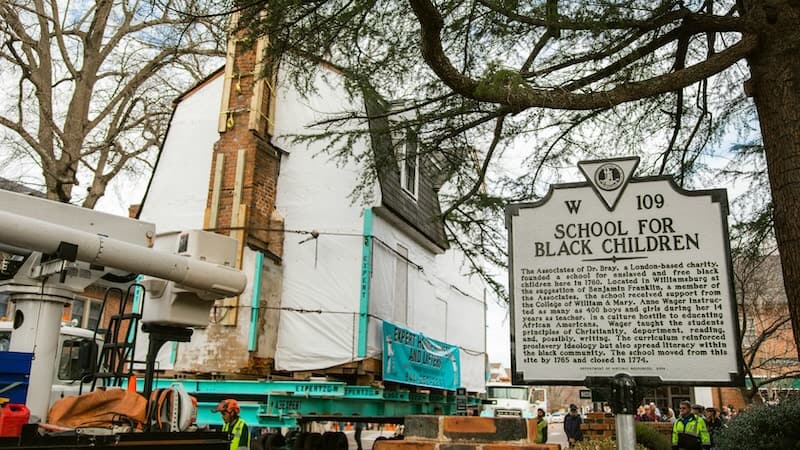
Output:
x,y
621,275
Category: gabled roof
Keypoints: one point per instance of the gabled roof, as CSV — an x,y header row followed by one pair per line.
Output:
x,y
14,186
422,214
197,86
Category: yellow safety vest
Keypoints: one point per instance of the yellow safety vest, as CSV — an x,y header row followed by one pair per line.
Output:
x,y
541,431
241,435
696,427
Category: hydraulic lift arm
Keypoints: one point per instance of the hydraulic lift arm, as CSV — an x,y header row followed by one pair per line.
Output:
x,y
70,248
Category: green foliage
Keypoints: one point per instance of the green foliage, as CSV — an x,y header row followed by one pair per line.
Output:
x,y
764,428
647,438
605,444
512,52
500,80
651,439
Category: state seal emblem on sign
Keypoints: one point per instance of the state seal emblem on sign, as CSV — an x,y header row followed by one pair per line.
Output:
x,y
609,177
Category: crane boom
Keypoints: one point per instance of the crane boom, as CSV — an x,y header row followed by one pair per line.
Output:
x,y
69,247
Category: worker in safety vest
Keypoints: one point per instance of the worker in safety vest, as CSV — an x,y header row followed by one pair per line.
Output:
x,y
234,424
541,427
689,432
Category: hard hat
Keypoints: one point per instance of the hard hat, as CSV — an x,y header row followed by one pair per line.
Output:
x,y
229,406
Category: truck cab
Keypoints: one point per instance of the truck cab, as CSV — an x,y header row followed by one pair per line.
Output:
x,y
71,362
507,400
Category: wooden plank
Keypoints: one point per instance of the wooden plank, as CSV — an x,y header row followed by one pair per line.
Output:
x,y
215,193
230,55
238,186
257,100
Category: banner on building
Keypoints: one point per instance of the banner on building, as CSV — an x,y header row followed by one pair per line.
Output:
x,y
411,358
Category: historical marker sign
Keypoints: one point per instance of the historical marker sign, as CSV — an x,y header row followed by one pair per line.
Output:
x,y
622,275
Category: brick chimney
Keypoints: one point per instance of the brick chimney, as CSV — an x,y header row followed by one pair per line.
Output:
x,y
245,165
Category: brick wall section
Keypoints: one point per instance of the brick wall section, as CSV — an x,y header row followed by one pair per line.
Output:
x,y
728,396
261,199
480,428
466,433
664,428
261,161
599,426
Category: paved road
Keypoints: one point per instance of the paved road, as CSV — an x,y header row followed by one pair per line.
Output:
x,y
555,434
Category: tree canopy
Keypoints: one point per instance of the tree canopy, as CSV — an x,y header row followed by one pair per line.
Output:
x,y
505,94
88,86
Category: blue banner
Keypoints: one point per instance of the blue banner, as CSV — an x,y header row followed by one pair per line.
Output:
x,y
411,358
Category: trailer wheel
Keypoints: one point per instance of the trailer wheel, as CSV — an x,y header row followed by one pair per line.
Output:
x,y
313,441
273,441
332,440
299,441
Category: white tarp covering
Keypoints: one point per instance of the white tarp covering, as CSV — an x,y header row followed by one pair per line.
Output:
x,y
320,294
438,301
176,198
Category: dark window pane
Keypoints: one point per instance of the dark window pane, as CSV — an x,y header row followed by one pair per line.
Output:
x,y
94,315
77,312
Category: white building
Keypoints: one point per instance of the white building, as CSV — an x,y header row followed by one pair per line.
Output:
x,y
331,270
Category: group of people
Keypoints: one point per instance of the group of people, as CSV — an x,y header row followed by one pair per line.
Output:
x,y
651,413
694,427
572,426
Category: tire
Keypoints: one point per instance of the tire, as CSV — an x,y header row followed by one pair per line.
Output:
x,y
255,444
333,440
273,441
313,441
299,441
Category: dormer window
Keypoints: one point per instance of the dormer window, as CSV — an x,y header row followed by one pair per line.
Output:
x,y
408,160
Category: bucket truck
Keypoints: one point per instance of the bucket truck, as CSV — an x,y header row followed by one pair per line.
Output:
x,y
67,248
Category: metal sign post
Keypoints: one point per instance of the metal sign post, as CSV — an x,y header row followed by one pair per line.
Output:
x,y
620,283
624,400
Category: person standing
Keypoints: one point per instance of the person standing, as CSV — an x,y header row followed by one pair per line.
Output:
x,y
541,427
641,414
572,426
725,414
234,424
655,410
715,426
670,416
357,435
689,432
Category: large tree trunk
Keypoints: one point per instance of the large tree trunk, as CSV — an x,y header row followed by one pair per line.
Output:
x,y
775,69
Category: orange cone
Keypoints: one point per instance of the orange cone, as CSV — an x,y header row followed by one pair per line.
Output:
x,y
132,383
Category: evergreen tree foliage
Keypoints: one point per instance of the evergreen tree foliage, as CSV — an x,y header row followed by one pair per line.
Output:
x,y
505,94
